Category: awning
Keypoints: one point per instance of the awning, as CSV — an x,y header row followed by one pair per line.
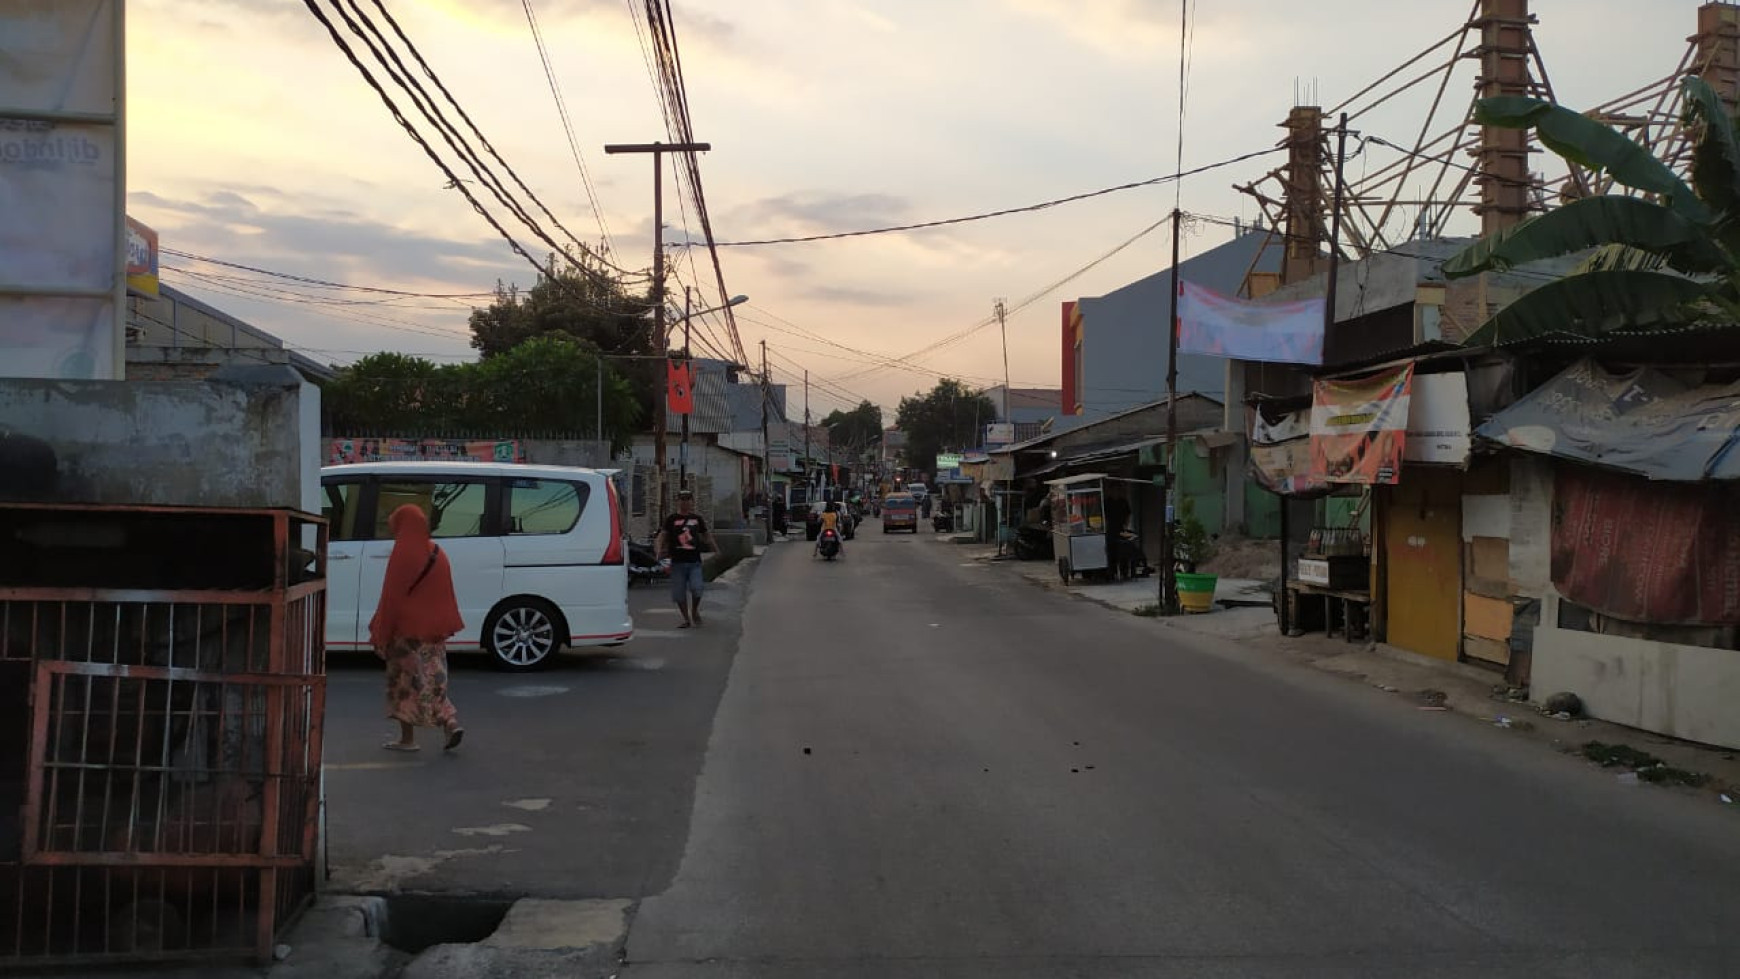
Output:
x,y
1644,422
1094,456
1073,480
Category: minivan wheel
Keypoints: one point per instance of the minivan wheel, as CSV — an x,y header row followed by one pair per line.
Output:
x,y
522,635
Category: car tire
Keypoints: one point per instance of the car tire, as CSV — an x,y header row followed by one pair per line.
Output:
x,y
522,634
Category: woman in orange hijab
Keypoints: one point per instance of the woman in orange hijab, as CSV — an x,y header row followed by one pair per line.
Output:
x,y
417,614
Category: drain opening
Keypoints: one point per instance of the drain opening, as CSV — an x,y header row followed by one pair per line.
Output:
x,y
416,922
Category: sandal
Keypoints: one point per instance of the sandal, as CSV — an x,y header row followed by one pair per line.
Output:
x,y
399,746
453,738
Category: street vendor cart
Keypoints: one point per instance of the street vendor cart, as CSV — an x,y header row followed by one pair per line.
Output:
x,y
1078,524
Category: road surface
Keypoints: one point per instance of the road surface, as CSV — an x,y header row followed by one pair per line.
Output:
x,y
925,766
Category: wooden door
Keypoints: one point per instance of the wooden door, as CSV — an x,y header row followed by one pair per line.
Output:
x,y
1422,543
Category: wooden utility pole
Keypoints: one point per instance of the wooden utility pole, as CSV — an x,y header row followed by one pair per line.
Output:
x,y
808,478
662,420
1168,596
689,366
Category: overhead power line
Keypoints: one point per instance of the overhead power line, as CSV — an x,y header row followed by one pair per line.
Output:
x,y
567,123
324,283
1005,212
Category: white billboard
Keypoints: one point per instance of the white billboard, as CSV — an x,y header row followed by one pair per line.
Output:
x,y
62,189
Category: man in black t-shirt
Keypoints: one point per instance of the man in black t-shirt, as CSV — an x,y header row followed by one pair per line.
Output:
x,y
683,538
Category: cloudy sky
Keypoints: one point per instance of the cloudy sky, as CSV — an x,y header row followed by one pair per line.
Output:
x,y
254,141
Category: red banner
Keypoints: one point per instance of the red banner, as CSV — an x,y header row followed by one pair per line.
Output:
x,y
1647,550
679,389
1358,427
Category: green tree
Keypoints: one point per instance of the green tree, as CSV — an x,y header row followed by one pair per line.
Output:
x,y
580,302
1654,263
856,429
946,418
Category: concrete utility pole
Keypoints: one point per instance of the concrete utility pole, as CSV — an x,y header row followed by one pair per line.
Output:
x,y
766,448
662,421
808,477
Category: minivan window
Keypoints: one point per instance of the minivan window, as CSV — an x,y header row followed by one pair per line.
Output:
x,y
545,506
339,507
456,508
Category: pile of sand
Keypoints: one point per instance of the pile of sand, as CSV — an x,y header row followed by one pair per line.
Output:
x,y
1238,557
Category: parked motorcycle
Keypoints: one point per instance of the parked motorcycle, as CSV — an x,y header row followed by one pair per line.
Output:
x,y
644,563
828,545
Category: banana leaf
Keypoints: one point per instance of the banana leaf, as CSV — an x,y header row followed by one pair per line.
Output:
x,y
1593,222
1584,141
1591,304
1716,157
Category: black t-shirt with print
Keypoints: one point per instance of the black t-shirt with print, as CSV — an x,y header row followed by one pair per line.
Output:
x,y
683,537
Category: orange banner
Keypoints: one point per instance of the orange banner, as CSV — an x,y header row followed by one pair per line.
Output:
x,y
679,389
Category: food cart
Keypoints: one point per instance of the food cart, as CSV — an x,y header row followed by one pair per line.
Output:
x,y
1078,524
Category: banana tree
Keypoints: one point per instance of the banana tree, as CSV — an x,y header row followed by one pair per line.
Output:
x,y
1657,262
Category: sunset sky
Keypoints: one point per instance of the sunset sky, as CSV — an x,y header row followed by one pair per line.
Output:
x,y
252,140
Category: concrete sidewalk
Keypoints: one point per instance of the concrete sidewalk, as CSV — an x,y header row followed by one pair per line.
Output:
x,y
1479,694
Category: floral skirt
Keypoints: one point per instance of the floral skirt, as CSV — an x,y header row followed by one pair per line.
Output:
x,y
417,684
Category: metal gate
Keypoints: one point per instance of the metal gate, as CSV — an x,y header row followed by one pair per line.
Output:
x,y
161,703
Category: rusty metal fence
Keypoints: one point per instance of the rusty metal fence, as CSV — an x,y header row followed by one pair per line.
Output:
x,y
161,704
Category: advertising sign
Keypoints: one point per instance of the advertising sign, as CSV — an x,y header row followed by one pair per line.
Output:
x,y
1221,326
343,451
1358,427
1438,422
141,260
1000,433
61,189
948,460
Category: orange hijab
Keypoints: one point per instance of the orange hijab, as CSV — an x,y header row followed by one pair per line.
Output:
x,y
417,600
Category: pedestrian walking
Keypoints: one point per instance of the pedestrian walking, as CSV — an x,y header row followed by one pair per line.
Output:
x,y
416,616
684,538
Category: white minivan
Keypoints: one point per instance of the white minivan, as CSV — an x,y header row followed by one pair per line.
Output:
x,y
537,553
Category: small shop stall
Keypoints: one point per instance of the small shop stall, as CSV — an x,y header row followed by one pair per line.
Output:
x,y
1331,583
1078,524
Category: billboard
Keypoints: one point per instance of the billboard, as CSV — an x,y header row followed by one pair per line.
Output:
x,y
62,189
342,451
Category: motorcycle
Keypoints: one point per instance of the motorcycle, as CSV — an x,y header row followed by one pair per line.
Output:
x,y
943,522
828,545
645,565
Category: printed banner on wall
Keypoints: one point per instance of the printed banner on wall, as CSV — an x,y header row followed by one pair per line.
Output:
x,y
141,259
1280,454
1439,429
1221,326
343,451
1646,550
59,197
1359,427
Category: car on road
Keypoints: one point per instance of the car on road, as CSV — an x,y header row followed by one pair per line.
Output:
x,y
918,491
899,512
538,553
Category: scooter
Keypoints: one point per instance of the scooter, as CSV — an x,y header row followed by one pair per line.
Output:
x,y
645,565
943,522
828,545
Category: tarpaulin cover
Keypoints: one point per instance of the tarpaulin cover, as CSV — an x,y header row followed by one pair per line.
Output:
x,y
1647,551
1221,326
1359,427
1643,421
1280,456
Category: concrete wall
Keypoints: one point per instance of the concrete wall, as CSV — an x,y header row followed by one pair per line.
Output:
x,y
586,453
1683,691
245,437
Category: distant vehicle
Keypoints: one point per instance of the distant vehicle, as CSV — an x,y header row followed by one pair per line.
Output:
x,y
538,553
900,512
918,491
813,524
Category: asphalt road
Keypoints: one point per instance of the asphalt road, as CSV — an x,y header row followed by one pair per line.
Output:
x,y
573,782
923,766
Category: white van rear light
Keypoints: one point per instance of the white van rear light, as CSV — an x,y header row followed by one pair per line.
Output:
x,y
613,554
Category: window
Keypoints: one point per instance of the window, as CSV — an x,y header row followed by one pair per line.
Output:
x,y
545,506
339,508
456,508
637,493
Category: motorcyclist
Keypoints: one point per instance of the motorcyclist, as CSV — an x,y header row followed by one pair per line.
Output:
x,y
831,521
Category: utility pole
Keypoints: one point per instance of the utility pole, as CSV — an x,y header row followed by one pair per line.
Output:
x,y
766,449
808,478
689,366
1168,561
658,151
598,362
1008,418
